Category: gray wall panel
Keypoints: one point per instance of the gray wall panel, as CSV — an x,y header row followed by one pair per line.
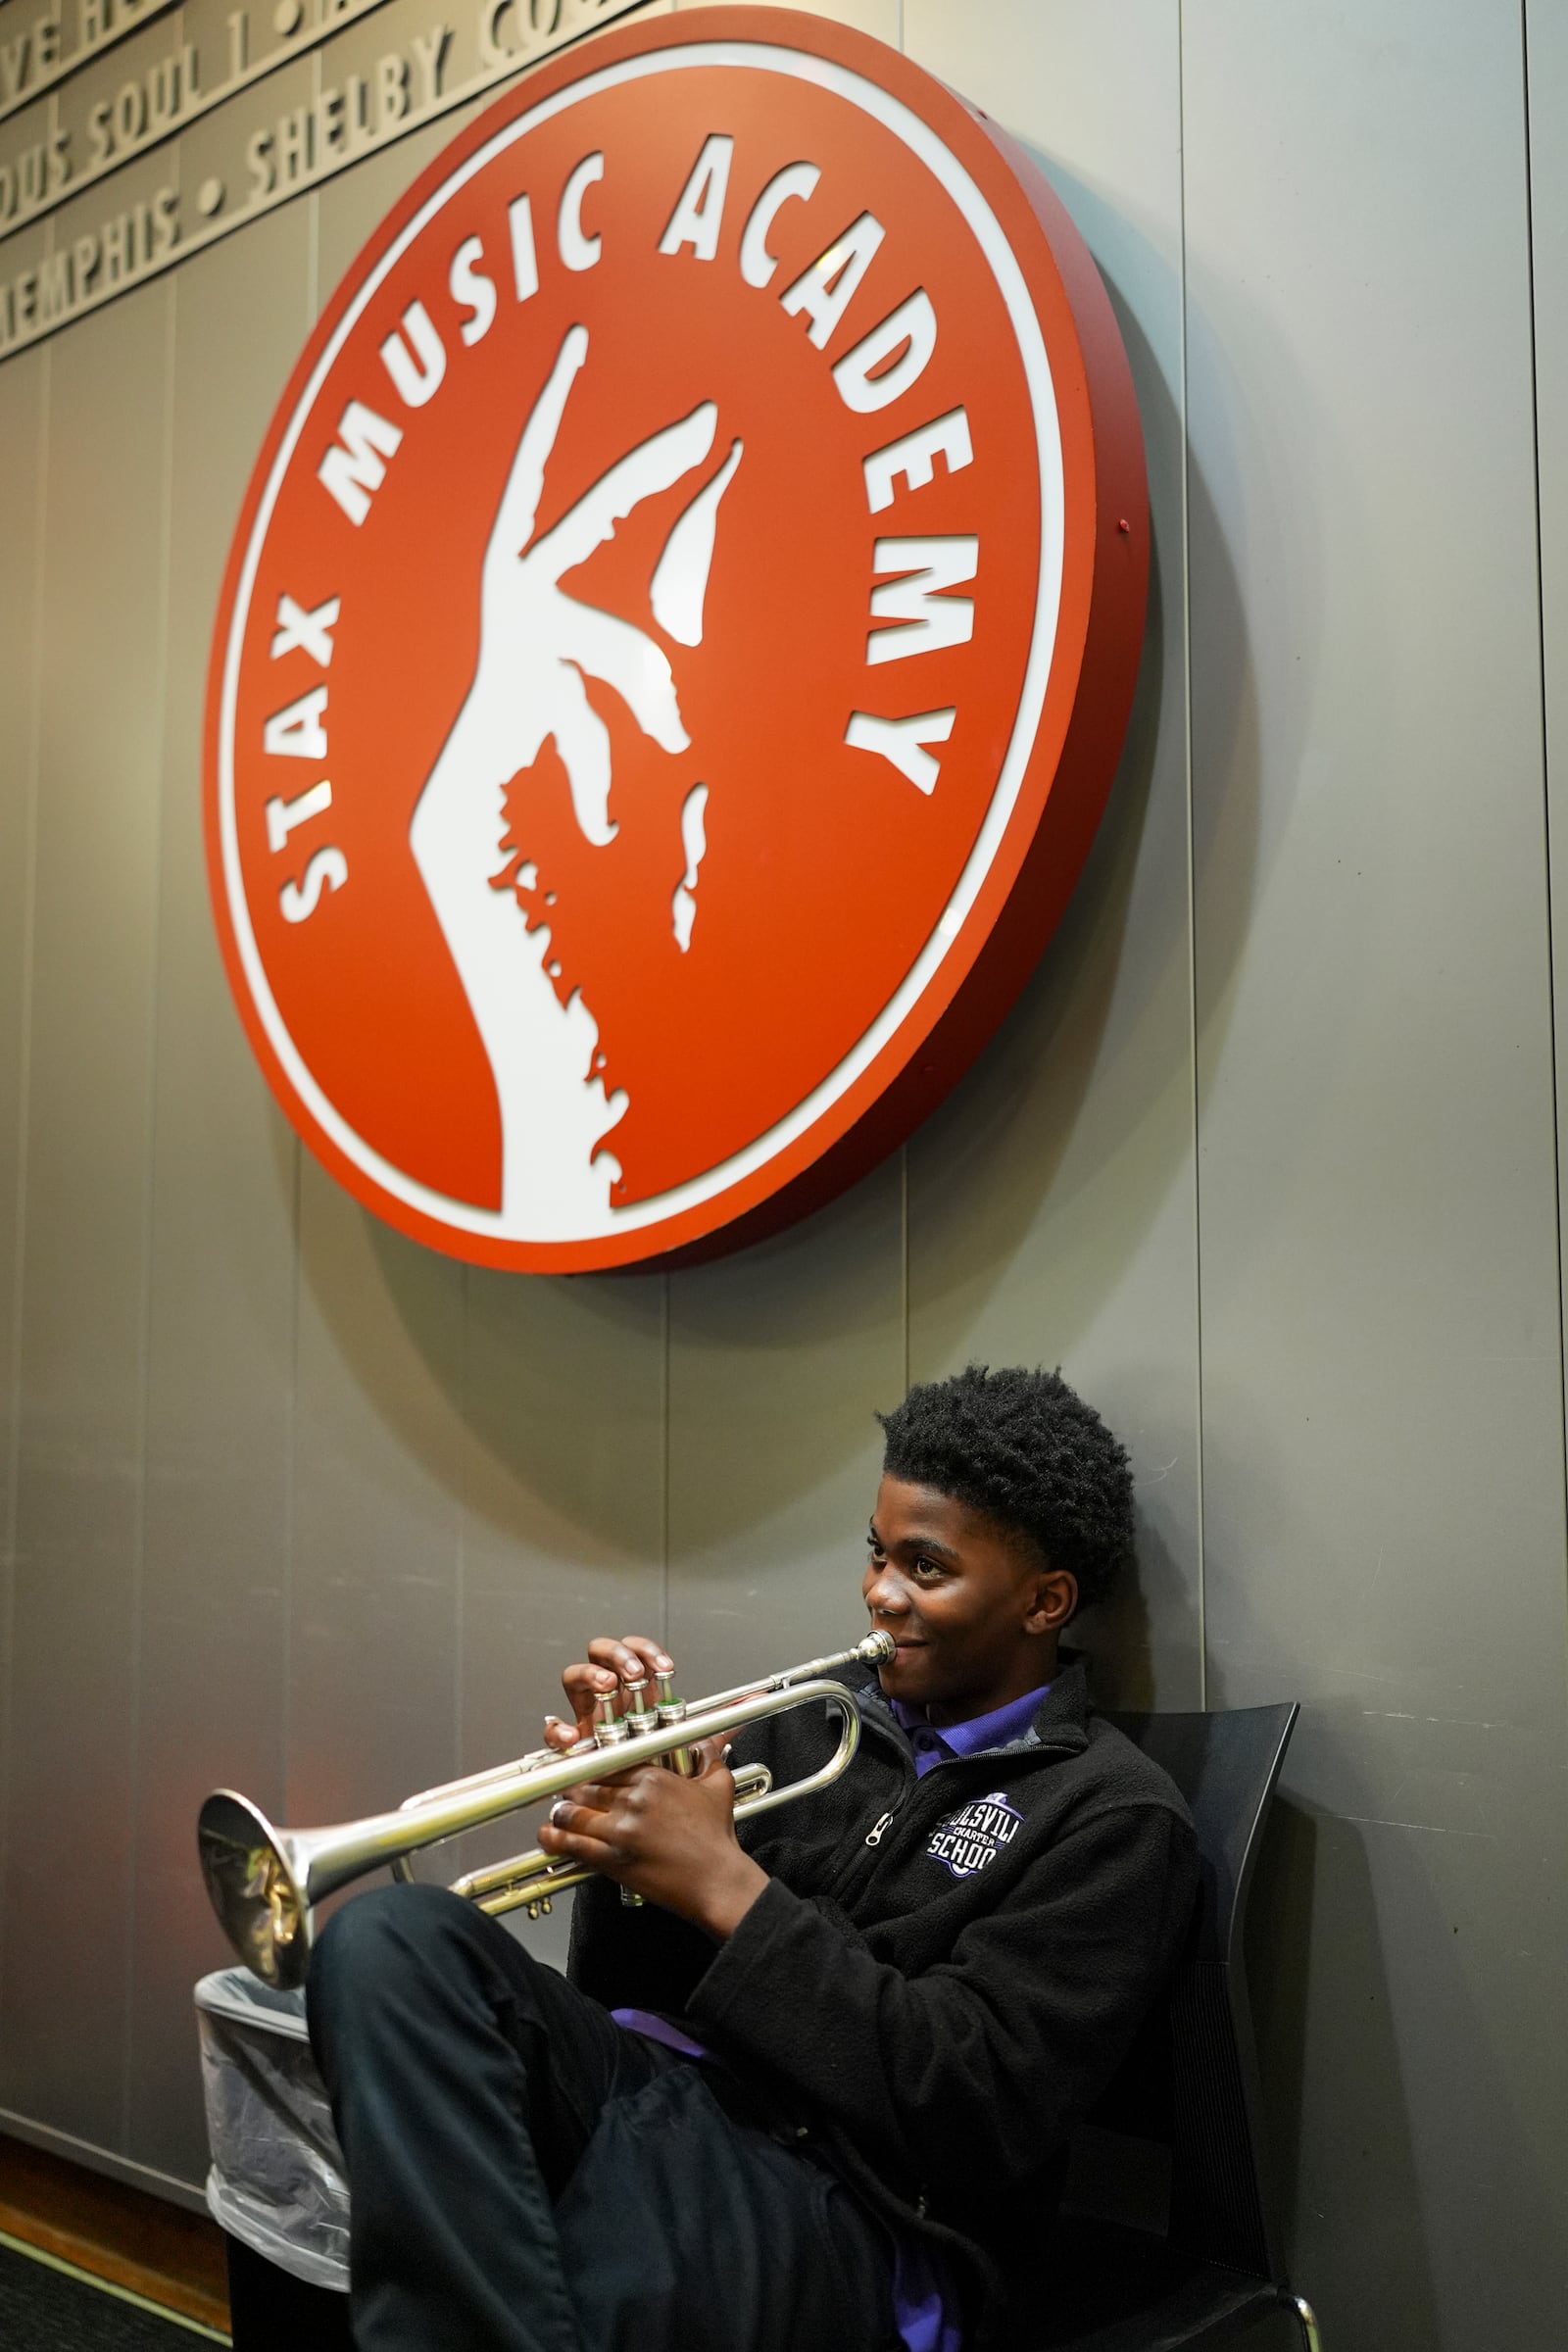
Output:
x,y
1381,1344
1052,1199
221,1343
564,1529
75,1661
23,397
380,1450
1546,41
777,1363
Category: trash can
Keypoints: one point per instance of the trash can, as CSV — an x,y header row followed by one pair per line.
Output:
x,y
276,2185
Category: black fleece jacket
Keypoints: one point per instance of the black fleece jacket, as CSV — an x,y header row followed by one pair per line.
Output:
x,y
944,1973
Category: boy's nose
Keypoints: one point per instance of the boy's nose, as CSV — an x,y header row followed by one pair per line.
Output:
x,y
883,1594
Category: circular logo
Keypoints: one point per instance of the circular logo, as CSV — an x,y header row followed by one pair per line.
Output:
x,y
676,645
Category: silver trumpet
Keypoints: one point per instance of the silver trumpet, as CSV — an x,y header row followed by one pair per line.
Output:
x,y
265,1883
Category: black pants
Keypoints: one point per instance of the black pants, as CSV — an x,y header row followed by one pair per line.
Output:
x,y
527,2176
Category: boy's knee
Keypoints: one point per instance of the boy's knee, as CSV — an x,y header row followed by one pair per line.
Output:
x,y
386,1934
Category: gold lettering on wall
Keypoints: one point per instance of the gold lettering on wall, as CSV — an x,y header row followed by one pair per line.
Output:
x,y
276,157
40,48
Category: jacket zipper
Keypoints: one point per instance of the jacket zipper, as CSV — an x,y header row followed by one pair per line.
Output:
x,y
879,1827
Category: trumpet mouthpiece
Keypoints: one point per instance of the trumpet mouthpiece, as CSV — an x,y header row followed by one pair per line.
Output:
x,y
876,1648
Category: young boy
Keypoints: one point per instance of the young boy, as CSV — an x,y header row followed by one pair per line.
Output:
x,y
814,2094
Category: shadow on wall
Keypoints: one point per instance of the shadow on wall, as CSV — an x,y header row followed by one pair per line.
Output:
x,y
512,1391
1312,1861
1115,1638
561,1379
1373,2024
1066,1143
1004,1134
1337,2106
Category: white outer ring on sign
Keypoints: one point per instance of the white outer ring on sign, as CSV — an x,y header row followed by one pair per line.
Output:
x,y
462,1216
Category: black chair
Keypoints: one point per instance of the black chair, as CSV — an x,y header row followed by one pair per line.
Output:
x,y
269,2311
1167,2238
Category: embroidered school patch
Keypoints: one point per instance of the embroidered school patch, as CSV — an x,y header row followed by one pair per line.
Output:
x,y
970,1839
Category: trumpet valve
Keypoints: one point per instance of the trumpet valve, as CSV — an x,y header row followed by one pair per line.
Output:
x,y
635,1708
641,1715
670,1711
610,1729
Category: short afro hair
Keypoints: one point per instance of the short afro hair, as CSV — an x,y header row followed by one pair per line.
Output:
x,y
1023,1448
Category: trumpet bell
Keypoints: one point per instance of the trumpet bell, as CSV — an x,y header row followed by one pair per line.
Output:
x,y
259,1901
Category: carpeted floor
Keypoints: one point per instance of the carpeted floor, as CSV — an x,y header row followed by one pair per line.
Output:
x,y
47,2308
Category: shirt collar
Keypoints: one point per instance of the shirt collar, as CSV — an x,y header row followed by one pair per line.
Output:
x,y
995,1730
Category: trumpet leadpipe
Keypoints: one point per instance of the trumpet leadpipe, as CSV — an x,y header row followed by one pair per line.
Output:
x,y
873,1650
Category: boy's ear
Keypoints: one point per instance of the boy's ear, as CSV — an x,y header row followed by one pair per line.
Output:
x,y
1055,1597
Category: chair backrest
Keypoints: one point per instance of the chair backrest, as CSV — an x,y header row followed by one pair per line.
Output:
x,y
1226,1766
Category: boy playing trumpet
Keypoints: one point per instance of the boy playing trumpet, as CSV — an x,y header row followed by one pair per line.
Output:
x,y
815,2094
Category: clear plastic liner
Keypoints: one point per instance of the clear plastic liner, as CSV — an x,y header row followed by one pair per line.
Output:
x,y
276,2180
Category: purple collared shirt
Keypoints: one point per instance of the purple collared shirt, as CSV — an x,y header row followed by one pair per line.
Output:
x,y
998,1729
925,2311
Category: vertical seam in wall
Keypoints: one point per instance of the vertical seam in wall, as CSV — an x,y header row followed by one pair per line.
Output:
x,y
138,1548
459,1598
313,275
23,1098
664,1470
290,1489
903,1254
1192,875
1546,753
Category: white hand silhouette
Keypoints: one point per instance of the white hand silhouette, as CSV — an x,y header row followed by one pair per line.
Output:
x,y
535,643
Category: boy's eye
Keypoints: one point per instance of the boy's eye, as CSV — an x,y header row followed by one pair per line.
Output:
x,y
928,1568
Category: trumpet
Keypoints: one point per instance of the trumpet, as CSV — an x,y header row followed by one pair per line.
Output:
x,y
265,1883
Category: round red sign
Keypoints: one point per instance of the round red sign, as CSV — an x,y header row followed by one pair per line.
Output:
x,y
676,645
